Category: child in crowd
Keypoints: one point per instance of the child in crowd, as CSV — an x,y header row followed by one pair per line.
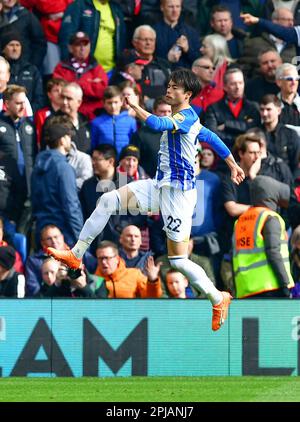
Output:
x,y
113,126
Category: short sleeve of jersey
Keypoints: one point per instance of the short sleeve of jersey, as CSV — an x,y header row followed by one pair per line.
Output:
x,y
184,120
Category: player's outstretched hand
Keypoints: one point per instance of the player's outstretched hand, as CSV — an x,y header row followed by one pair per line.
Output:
x,y
237,174
131,100
249,19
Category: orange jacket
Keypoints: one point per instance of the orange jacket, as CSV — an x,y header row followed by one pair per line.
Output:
x,y
130,283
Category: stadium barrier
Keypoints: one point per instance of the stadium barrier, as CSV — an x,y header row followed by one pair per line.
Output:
x,y
75,337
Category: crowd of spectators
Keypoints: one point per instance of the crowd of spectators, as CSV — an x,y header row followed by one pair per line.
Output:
x,y
66,137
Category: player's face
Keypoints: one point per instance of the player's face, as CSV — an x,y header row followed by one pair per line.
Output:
x,y
176,95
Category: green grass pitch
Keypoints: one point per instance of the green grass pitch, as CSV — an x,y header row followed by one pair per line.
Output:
x,y
151,389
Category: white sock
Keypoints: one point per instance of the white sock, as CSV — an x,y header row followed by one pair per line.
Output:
x,y
109,203
197,277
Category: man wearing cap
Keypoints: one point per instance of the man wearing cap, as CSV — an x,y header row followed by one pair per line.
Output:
x,y
129,68
54,192
22,72
129,164
12,284
82,68
103,21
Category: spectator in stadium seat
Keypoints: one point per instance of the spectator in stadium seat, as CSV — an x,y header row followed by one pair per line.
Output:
x,y
221,23
156,72
17,134
4,78
18,265
209,93
236,199
269,60
54,89
18,18
82,68
260,244
172,31
265,41
113,126
52,236
123,282
287,79
176,284
130,241
22,72
282,141
214,46
129,164
12,193
129,67
59,281
12,284
50,15
233,114
54,191
103,21
71,96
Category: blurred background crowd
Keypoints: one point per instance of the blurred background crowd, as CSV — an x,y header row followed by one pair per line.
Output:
x,y
66,137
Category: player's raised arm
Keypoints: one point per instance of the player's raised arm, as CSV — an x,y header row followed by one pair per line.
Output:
x,y
206,135
156,123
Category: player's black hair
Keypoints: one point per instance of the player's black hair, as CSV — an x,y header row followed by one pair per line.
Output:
x,y
186,79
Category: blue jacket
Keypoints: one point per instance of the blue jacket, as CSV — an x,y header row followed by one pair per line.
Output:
x,y
113,130
54,195
81,15
166,37
290,35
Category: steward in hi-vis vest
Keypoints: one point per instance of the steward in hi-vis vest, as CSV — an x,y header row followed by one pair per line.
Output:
x,y
252,272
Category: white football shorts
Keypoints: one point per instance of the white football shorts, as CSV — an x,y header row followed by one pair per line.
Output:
x,y
176,206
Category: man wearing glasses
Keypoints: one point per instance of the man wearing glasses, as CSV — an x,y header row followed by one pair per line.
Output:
x,y
209,93
287,79
123,282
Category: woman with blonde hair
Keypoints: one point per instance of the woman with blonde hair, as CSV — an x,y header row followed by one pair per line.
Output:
x,y
215,47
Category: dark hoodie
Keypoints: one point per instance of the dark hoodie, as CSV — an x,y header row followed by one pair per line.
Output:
x,y
268,192
54,195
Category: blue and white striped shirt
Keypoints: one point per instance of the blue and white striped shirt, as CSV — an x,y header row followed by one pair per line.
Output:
x,y
178,148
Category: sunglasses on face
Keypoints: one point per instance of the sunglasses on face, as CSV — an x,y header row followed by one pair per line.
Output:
x,y
289,78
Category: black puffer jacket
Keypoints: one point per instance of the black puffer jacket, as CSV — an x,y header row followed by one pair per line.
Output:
x,y
8,142
219,113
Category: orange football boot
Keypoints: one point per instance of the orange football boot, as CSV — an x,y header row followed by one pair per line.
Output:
x,y
220,311
66,257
